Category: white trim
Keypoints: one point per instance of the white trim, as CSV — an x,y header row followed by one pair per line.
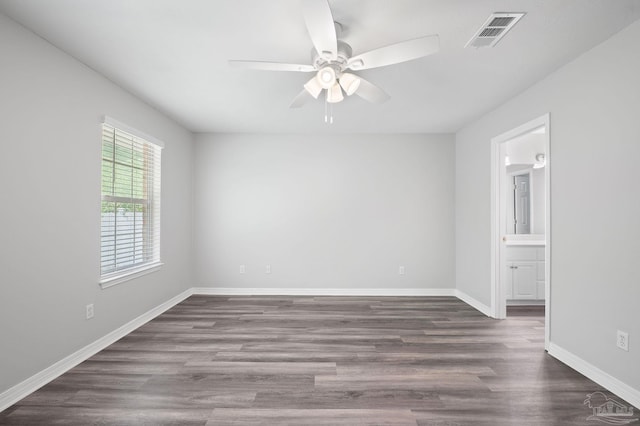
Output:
x,y
473,303
35,382
235,291
131,130
547,233
498,293
129,274
616,386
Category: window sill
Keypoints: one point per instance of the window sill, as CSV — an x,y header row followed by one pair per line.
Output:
x,y
131,274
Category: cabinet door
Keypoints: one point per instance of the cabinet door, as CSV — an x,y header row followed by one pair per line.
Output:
x,y
541,290
525,284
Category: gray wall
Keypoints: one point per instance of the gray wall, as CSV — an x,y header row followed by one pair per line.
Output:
x,y
326,212
594,105
50,113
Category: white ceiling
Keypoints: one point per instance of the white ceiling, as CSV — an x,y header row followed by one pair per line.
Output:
x,y
173,54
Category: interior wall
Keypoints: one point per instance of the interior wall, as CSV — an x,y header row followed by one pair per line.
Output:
x,y
325,211
593,104
50,113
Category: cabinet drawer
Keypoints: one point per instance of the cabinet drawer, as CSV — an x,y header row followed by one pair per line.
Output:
x,y
521,253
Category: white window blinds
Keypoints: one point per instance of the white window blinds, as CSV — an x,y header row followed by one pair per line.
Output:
x,y
130,214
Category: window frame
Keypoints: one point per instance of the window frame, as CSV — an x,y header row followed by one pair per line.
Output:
x,y
152,201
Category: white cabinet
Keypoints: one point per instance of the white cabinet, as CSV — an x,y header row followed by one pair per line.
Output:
x,y
524,272
521,277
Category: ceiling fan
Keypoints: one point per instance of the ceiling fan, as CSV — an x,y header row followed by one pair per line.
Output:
x,y
332,59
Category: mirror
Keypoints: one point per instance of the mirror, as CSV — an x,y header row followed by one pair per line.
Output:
x,y
525,161
521,195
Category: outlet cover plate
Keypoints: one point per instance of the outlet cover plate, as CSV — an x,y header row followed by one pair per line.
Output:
x,y
90,311
622,340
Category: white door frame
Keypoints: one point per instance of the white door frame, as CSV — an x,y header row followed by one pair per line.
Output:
x,y
498,182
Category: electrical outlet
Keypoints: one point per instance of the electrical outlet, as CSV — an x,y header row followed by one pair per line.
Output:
x,y
400,270
90,311
242,269
267,269
622,340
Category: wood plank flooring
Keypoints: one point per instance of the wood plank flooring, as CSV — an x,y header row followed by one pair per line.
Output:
x,y
429,361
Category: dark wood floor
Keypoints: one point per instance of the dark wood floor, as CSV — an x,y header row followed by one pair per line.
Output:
x,y
321,361
525,311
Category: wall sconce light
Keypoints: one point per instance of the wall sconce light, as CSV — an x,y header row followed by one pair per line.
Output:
x,y
541,160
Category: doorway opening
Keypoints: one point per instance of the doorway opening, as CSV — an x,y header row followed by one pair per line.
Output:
x,y
521,246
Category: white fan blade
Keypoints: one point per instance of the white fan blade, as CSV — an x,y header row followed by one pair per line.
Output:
x,y
271,66
322,30
395,53
302,98
370,92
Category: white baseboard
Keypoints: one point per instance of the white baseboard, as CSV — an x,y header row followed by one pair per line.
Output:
x,y
21,390
619,388
235,291
473,303
35,382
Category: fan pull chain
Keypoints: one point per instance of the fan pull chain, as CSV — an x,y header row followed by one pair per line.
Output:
x,y
328,112
326,107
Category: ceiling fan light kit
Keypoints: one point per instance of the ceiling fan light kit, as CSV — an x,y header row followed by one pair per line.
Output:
x,y
326,77
331,57
349,83
313,86
334,94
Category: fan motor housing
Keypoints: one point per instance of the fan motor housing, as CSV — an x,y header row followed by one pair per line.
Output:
x,y
344,53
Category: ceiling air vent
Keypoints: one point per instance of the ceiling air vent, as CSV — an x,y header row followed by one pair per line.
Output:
x,y
494,29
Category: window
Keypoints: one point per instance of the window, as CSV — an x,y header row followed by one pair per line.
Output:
x,y
130,213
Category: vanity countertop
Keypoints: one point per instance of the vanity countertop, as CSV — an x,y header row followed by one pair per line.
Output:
x,y
525,240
